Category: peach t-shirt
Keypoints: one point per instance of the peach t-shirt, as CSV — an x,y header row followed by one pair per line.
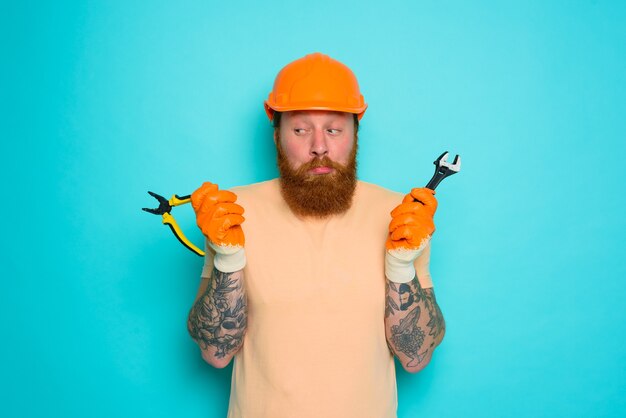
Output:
x,y
315,341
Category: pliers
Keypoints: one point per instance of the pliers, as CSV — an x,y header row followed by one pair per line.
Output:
x,y
164,209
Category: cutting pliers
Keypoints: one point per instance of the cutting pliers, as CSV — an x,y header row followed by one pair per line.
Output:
x,y
164,209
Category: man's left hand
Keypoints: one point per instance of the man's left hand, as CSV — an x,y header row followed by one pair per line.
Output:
x,y
410,231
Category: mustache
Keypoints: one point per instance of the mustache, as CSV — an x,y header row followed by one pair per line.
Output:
x,y
320,162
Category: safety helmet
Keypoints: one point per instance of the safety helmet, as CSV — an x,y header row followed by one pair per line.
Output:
x,y
315,81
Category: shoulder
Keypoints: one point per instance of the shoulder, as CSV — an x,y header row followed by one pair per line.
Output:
x,y
375,196
262,187
264,192
374,191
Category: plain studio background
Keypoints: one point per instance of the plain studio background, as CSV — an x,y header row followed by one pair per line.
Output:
x,y
105,100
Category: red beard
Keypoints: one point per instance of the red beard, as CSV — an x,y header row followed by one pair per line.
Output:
x,y
317,195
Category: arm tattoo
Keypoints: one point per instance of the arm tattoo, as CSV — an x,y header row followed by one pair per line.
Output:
x,y
436,322
405,305
218,318
408,338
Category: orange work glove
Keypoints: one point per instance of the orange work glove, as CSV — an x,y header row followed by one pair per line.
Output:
x,y
409,233
219,218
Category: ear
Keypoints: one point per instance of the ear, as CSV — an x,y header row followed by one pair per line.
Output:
x,y
276,136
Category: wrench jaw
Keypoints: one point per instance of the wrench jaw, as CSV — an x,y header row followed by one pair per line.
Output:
x,y
456,164
444,169
442,161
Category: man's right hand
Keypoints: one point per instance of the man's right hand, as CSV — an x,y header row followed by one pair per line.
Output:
x,y
219,218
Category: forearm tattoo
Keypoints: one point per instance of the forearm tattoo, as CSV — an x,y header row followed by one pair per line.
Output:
x,y
218,318
406,303
436,323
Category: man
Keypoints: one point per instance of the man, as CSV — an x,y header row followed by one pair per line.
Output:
x,y
319,288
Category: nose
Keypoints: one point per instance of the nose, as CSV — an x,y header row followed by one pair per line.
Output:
x,y
319,147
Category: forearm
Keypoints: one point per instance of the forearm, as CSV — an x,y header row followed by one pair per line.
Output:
x,y
414,324
217,321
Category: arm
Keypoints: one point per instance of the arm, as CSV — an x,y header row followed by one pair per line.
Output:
x,y
217,321
414,324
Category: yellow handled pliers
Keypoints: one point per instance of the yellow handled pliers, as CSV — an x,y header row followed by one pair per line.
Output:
x,y
164,209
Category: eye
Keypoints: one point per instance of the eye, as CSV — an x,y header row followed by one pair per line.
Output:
x,y
334,131
299,131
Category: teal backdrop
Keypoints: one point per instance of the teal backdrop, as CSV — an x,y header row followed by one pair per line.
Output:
x,y
105,100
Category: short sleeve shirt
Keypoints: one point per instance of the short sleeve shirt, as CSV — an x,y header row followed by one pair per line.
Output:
x,y
315,341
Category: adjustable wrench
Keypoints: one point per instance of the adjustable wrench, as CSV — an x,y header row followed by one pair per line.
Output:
x,y
444,169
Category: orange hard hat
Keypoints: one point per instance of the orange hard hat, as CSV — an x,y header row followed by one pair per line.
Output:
x,y
315,81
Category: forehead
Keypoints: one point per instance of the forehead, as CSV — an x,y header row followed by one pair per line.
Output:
x,y
330,115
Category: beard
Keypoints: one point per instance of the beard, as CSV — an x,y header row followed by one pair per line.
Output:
x,y
317,195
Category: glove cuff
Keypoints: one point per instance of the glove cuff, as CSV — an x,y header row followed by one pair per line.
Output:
x,y
399,267
229,258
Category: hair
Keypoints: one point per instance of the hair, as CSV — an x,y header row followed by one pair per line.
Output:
x,y
277,117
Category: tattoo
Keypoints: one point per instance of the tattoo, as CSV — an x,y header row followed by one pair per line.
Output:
x,y
218,318
436,322
405,303
408,338
390,305
407,294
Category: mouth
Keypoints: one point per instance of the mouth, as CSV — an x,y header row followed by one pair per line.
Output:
x,y
321,170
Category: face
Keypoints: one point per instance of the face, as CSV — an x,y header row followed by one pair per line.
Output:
x,y
314,134
316,153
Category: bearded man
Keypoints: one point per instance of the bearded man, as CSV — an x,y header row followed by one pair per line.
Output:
x,y
320,287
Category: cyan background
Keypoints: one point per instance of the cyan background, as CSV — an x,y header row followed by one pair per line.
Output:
x,y
104,100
